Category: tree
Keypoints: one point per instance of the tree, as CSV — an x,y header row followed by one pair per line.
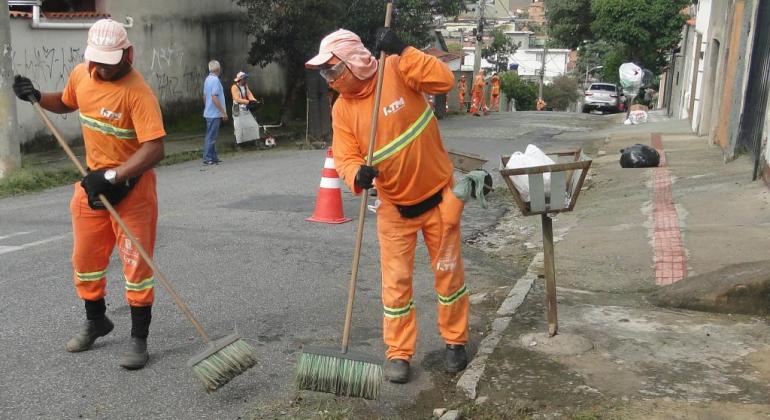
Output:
x,y
569,21
498,51
643,31
518,89
562,92
289,31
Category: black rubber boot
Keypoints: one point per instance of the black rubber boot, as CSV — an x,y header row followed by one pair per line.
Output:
x,y
136,356
397,371
97,325
456,358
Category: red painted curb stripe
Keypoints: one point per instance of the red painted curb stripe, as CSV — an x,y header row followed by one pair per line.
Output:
x,y
670,257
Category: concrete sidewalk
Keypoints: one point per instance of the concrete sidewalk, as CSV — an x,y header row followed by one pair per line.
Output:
x,y
634,231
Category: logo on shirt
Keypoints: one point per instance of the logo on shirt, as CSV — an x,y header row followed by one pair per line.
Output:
x,y
110,115
394,107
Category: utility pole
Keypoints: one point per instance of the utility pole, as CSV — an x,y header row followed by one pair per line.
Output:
x,y
479,39
10,150
542,65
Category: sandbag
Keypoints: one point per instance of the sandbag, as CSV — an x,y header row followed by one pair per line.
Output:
x,y
639,156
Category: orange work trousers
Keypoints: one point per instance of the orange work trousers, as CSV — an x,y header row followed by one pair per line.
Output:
x,y
495,102
478,104
398,239
461,100
96,234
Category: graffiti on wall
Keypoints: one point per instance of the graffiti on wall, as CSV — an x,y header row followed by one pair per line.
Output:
x,y
49,67
172,78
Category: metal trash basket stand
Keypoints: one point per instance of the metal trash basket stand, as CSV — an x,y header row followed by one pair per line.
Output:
x,y
466,162
560,200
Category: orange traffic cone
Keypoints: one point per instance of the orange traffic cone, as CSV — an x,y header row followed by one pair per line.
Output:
x,y
328,206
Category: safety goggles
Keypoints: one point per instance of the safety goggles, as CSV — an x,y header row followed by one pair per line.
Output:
x,y
334,72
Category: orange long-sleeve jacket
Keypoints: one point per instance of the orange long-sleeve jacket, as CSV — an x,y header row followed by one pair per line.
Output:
x,y
478,84
409,154
495,85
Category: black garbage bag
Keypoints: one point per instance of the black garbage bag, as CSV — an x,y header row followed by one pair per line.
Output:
x,y
639,156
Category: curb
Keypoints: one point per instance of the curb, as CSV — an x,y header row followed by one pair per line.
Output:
x,y
471,376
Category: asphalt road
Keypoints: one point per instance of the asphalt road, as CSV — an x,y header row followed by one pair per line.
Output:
x,y
233,240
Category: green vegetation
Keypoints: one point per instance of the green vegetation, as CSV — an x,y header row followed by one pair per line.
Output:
x,y
26,180
569,21
499,49
518,89
561,93
289,32
611,32
642,31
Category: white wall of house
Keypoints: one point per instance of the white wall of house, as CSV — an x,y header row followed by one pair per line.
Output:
x,y
173,42
530,62
470,60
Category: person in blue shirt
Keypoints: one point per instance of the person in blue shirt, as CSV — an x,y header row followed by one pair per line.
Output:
x,y
214,112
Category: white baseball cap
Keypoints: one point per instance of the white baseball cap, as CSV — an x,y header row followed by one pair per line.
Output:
x,y
106,41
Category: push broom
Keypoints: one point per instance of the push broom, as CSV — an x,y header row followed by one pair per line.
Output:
x,y
340,371
223,359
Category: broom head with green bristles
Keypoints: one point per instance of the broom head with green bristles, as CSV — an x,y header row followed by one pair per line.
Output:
x,y
349,374
222,360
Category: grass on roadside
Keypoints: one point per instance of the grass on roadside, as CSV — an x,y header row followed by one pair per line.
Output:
x,y
26,180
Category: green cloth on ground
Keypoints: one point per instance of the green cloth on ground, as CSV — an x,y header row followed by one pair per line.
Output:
x,y
473,181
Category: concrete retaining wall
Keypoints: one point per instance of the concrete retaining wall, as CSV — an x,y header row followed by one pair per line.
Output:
x,y
173,42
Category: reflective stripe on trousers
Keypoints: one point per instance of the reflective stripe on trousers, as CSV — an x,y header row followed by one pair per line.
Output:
x,y
398,240
96,235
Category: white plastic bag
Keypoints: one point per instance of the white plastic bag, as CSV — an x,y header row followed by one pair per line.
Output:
x,y
532,156
631,76
637,117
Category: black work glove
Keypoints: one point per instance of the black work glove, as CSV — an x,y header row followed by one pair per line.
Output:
x,y
23,89
365,177
388,41
95,183
252,105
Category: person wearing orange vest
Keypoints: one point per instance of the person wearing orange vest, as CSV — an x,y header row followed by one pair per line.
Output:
x,y
495,94
462,88
540,104
123,134
478,105
414,181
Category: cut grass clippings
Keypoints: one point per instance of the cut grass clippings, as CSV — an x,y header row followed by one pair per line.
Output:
x,y
26,180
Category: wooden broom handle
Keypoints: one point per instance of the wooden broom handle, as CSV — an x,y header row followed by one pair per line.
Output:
x,y
145,256
365,193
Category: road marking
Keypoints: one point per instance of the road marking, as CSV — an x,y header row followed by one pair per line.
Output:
x,y
5,249
670,258
15,234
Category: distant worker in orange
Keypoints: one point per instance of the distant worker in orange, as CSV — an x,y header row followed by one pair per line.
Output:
x,y
495,95
123,134
414,183
478,105
540,104
462,88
